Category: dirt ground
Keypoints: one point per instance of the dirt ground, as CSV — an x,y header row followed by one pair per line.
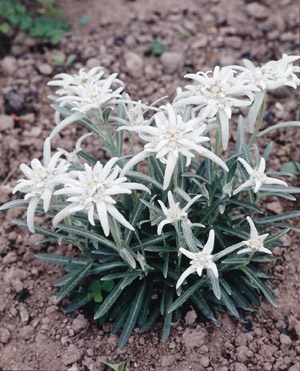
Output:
x,y
35,333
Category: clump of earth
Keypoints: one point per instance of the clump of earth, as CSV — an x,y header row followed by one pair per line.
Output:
x,y
35,333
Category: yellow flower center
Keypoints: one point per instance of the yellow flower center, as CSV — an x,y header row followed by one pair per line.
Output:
x,y
43,175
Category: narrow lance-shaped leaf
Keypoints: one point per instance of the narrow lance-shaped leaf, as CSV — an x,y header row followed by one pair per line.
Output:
x,y
110,300
260,285
184,297
74,282
133,315
168,315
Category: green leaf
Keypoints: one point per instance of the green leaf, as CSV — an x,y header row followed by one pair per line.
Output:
x,y
56,235
269,220
65,279
288,189
155,48
109,300
4,27
260,285
161,249
156,169
244,289
279,126
244,205
127,257
76,279
133,315
146,305
114,366
292,167
214,283
88,234
235,260
287,196
229,303
78,302
98,298
189,292
15,203
97,269
84,19
129,275
240,299
199,300
121,314
152,319
61,259
276,236
168,315
108,286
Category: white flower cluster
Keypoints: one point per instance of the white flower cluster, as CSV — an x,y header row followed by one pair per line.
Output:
x,y
219,93
205,260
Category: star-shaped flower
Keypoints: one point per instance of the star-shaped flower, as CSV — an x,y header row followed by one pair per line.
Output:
x,y
171,137
217,94
94,189
174,213
92,95
257,177
84,93
66,81
199,261
255,242
38,185
274,74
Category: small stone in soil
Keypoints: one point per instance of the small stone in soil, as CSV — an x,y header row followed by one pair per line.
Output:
x,y
4,335
71,355
79,324
27,332
6,122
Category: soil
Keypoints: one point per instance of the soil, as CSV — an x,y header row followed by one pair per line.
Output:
x,y
35,333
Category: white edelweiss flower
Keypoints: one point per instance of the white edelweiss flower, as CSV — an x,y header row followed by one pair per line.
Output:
x,y
257,177
255,242
92,95
38,185
216,95
67,81
199,261
270,75
171,137
93,190
274,74
175,214
134,113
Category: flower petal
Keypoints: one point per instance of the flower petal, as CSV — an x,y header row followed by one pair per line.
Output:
x,y
185,274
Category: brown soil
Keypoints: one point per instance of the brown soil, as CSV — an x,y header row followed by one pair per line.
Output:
x,y
35,333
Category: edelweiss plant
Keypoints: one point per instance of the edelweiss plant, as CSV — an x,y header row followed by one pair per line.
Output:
x,y
187,228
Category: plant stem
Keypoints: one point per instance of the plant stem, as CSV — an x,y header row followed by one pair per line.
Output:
x,y
258,125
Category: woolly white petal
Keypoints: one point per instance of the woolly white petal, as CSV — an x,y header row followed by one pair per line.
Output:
x,y
245,185
64,213
103,217
185,274
187,253
171,163
209,246
119,217
161,225
31,211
